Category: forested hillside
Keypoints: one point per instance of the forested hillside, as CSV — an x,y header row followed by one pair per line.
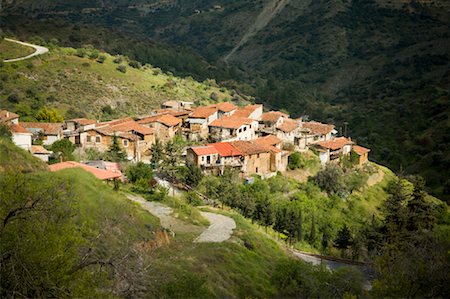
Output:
x,y
380,66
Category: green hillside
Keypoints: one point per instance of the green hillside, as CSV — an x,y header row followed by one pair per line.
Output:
x,y
9,50
79,83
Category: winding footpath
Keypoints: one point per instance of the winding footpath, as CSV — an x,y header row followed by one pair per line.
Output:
x,y
39,50
220,229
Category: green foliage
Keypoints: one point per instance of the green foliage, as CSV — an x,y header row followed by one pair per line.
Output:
x,y
94,54
190,174
139,171
5,132
115,152
63,149
157,151
343,239
101,58
296,279
330,179
193,198
296,161
122,68
93,154
49,115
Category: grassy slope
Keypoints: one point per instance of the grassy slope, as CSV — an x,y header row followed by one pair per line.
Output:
x,y
9,50
64,81
112,226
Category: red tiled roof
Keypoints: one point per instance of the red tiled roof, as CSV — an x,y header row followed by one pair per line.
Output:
x,y
273,116
318,128
335,144
249,147
176,113
18,129
47,128
246,111
203,112
226,149
169,120
37,149
117,121
5,115
84,121
110,131
224,106
231,122
204,150
288,126
360,150
101,174
269,140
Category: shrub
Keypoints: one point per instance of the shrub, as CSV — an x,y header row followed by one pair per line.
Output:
x,y
139,171
296,161
85,64
63,149
330,179
193,199
81,52
94,54
13,98
135,64
122,68
101,58
118,60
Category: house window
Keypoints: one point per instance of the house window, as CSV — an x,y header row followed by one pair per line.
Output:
x,y
316,137
203,159
208,159
125,143
97,138
245,129
257,156
88,138
256,169
240,130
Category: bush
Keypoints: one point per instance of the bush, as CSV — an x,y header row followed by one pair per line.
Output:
x,y
122,68
135,64
193,199
296,161
81,52
118,60
330,179
94,54
13,98
63,149
101,58
139,171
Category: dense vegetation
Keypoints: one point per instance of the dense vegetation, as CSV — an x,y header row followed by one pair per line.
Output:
x,y
372,64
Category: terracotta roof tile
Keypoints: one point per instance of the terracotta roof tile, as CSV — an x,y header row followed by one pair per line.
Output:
x,y
18,129
360,150
247,110
84,121
269,140
335,144
203,112
224,106
318,128
169,120
101,174
6,115
273,116
226,149
47,128
231,122
288,125
37,149
249,147
204,150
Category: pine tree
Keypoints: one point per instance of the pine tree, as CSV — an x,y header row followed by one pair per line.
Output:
x,y
157,154
343,239
115,152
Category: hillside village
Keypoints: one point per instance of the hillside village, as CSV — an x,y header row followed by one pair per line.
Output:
x,y
227,136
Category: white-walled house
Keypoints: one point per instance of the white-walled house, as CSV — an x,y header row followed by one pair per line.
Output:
x,y
8,117
21,137
47,132
332,150
230,128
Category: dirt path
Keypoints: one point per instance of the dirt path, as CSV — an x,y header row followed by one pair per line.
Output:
x,y
39,50
164,213
220,230
263,19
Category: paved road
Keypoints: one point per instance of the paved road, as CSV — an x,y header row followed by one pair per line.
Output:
x,y
220,230
39,50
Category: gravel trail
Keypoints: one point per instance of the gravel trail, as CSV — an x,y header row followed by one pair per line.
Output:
x,y
220,230
39,50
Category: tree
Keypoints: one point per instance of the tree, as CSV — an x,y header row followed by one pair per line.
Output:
x,y
157,154
295,161
330,179
115,152
172,157
49,115
121,68
139,171
63,149
343,239
101,58
190,174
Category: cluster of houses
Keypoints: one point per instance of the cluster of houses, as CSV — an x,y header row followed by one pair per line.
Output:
x,y
245,138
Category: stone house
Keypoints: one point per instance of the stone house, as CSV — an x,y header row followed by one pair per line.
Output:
x,y
362,153
272,119
198,121
279,157
166,126
224,109
75,129
177,105
250,111
333,150
314,132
